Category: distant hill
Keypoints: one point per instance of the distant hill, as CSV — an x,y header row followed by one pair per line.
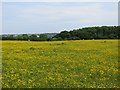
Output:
x,y
51,34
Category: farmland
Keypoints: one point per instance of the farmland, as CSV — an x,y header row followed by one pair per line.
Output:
x,y
58,64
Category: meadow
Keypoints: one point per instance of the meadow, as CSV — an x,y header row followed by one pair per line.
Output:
x,y
60,64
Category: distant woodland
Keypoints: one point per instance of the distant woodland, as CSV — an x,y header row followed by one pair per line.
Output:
x,y
87,33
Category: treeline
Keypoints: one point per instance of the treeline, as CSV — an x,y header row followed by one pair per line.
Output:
x,y
103,32
33,37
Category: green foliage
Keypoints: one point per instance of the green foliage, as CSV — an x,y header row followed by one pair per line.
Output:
x,y
43,37
103,32
33,37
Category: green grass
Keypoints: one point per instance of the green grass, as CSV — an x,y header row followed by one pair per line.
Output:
x,y
60,64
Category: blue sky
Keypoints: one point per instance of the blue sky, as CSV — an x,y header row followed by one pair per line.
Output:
x,y
46,17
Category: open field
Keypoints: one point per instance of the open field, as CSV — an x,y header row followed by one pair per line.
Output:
x,y
81,63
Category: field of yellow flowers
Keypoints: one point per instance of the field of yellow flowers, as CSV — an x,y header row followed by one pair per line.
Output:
x,y
60,64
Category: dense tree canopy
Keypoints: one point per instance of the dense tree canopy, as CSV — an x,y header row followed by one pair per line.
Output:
x,y
103,32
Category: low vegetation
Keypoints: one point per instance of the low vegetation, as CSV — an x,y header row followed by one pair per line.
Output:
x,y
60,64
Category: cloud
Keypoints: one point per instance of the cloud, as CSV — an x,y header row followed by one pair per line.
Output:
x,y
53,17
90,13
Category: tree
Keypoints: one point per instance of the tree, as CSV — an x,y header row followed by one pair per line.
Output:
x,y
25,37
33,37
103,32
43,37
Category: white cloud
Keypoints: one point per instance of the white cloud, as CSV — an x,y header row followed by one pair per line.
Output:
x,y
91,13
33,17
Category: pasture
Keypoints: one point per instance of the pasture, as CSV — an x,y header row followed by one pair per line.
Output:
x,y
60,64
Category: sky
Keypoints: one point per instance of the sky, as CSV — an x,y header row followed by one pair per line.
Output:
x,y
60,0
54,17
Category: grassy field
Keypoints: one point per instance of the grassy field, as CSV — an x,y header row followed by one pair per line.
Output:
x,y
68,64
